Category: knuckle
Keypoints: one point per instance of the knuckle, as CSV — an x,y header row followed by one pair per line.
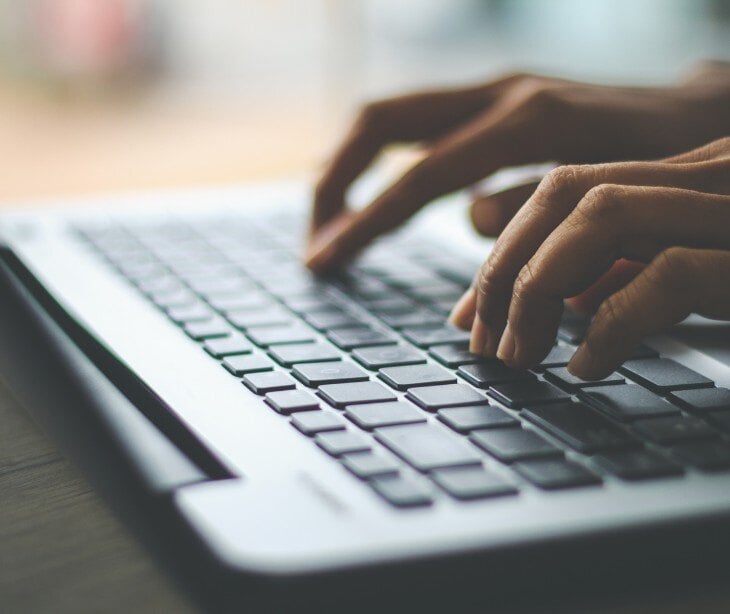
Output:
x,y
673,271
600,202
541,96
560,181
371,115
610,313
527,284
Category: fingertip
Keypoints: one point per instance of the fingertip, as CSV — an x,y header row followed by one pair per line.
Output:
x,y
462,313
479,336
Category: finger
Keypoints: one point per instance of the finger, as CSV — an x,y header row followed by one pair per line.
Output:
x,y
462,314
620,274
513,132
491,214
556,196
416,117
611,222
679,281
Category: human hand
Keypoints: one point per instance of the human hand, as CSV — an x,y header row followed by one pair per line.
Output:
x,y
519,119
673,214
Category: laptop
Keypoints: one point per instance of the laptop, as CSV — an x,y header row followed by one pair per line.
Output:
x,y
286,442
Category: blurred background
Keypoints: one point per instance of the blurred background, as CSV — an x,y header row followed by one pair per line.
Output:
x,y
102,95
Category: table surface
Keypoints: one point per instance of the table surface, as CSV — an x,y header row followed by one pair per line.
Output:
x,y
62,549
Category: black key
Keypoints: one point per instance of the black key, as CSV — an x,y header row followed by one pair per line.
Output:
x,y
706,455
415,317
454,355
313,422
637,464
241,365
489,372
443,306
288,355
390,305
580,427
290,401
674,429
369,464
643,351
509,445
341,395
247,301
720,419
402,492
338,443
374,415
227,346
402,378
626,403
425,447
664,375
472,483
702,399
279,335
387,356
573,327
556,474
197,312
527,392
447,395
559,356
426,337
310,304
434,292
274,316
268,381
209,329
465,419
349,338
318,373
563,377
328,320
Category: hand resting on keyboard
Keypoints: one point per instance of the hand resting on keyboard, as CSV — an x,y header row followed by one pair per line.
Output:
x,y
588,229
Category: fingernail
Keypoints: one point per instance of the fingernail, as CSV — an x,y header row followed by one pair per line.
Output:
x,y
581,364
478,336
463,310
506,349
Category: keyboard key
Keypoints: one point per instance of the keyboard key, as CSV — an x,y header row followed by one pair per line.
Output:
x,y
573,327
318,373
626,403
563,377
247,301
209,329
720,420
268,381
402,492
706,455
489,372
702,399
369,464
278,335
644,351
637,464
274,316
227,346
447,395
350,338
454,355
465,419
290,401
197,312
374,415
426,337
425,447
555,474
415,317
289,355
310,304
328,320
472,483
338,443
313,422
559,356
527,392
514,444
387,356
341,395
664,375
674,429
579,426
389,305
241,365
404,377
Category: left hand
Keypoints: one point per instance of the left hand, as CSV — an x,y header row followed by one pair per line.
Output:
x,y
673,214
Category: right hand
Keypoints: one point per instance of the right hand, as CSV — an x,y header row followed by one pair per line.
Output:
x,y
520,119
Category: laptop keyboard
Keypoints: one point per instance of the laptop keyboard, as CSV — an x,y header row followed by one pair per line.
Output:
x,y
365,365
